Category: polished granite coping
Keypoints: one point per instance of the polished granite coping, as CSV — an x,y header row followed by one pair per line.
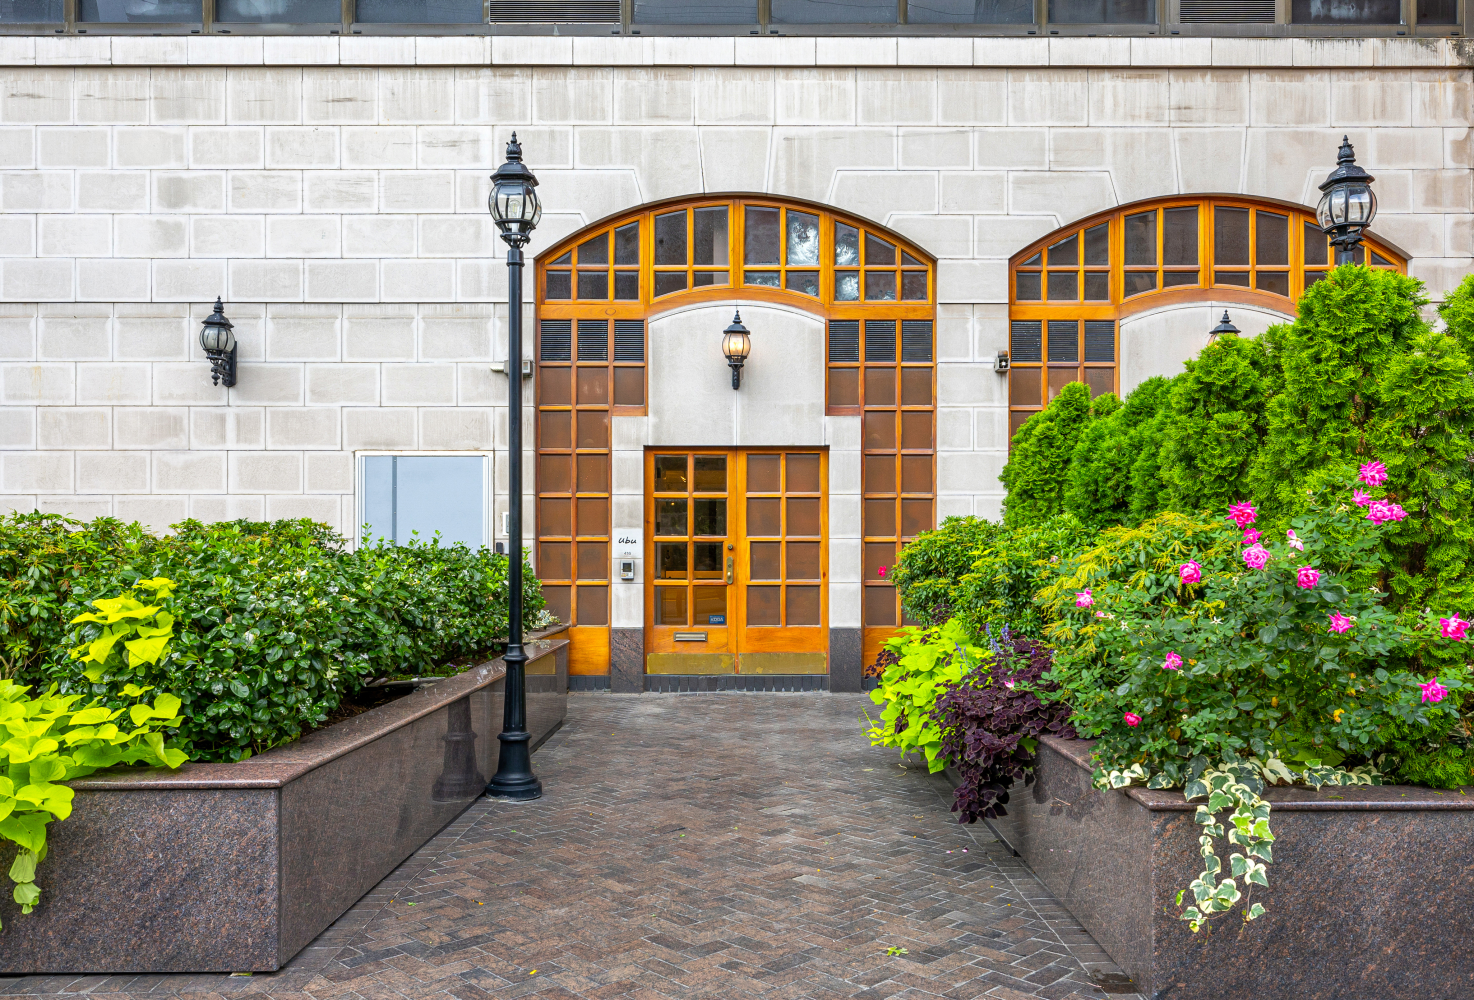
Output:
x,y
277,768
1357,798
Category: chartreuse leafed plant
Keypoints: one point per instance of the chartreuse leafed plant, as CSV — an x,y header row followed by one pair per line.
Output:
x,y
54,738
1277,665
927,661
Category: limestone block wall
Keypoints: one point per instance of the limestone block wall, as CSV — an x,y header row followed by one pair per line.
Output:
x,y
333,191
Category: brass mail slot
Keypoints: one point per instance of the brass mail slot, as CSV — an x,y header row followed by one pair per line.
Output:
x,y
690,637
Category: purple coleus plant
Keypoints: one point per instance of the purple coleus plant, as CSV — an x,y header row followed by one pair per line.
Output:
x,y
991,721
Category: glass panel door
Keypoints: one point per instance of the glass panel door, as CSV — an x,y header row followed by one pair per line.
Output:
x,y
691,555
736,561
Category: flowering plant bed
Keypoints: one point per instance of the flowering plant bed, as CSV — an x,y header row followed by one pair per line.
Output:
x,y
235,867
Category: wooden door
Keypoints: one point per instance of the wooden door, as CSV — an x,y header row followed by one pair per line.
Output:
x,y
736,558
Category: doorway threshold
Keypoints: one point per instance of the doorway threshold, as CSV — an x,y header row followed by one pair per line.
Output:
x,y
710,683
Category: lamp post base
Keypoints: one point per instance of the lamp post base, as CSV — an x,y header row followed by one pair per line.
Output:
x,y
514,780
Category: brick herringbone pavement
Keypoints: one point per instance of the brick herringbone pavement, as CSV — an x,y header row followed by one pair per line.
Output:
x,y
723,845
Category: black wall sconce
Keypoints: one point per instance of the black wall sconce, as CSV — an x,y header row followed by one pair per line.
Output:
x,y
219,345
736,345
1223,327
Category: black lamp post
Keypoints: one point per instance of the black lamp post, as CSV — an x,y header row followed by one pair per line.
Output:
x,y
736,345
1224,326
515,209
219,345
1347,205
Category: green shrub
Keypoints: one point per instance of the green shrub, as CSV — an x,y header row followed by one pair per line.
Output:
x,y
1010,569
932,566
1215,425
276,623
1038,464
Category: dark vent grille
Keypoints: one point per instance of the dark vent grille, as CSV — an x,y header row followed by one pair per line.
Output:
x,y
844,340
916,340
629,340
880,340
1226,11
535,12
593,340
1064,340
557,339
1100,340
1026,340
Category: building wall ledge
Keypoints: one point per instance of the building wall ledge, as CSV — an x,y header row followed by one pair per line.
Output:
x,y
769,50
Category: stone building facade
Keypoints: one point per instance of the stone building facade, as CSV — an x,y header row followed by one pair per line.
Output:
x,y
332,191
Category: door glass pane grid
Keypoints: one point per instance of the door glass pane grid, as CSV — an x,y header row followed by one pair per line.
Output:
x,y
899,455
784,523
691,526
1263,248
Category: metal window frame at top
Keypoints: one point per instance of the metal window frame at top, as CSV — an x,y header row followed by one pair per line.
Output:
x,y
1166,22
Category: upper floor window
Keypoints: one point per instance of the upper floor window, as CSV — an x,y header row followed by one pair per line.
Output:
x,y
749,244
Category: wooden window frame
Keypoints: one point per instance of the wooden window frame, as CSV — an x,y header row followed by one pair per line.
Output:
x,y
1121,306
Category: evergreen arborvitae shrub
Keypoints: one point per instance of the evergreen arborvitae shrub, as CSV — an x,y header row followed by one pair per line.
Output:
x,y
1099,487
1350,325
1035,475
1216,425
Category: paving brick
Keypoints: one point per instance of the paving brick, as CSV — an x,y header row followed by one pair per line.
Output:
x,y
728,846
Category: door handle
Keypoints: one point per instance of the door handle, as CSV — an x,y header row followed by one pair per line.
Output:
x,y
730,563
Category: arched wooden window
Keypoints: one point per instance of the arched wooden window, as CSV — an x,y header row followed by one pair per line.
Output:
x,y
596,291
1069,290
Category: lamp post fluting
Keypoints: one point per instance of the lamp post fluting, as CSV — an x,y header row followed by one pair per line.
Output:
x,y
515,209
1347,204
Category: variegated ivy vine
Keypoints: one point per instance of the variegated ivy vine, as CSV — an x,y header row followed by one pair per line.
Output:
x,y
1238,784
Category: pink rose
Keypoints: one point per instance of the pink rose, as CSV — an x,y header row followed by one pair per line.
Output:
x,y
1132,719
1453,628
1361,498
1396,511
1307,577
1256,556
1379,513
881,571
1242,513
1433,691
1339,622
1374,473
1250,536
1172,662
1294,542
1083,599
1190,572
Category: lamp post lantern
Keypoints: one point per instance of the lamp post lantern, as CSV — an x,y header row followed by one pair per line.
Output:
x,y
1347,204
515,209
736,345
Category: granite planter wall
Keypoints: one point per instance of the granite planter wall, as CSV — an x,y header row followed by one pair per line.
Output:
x,y
1368,896
237,867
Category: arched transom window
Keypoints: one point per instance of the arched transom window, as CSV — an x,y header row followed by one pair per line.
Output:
x,y
1069,291
597,290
